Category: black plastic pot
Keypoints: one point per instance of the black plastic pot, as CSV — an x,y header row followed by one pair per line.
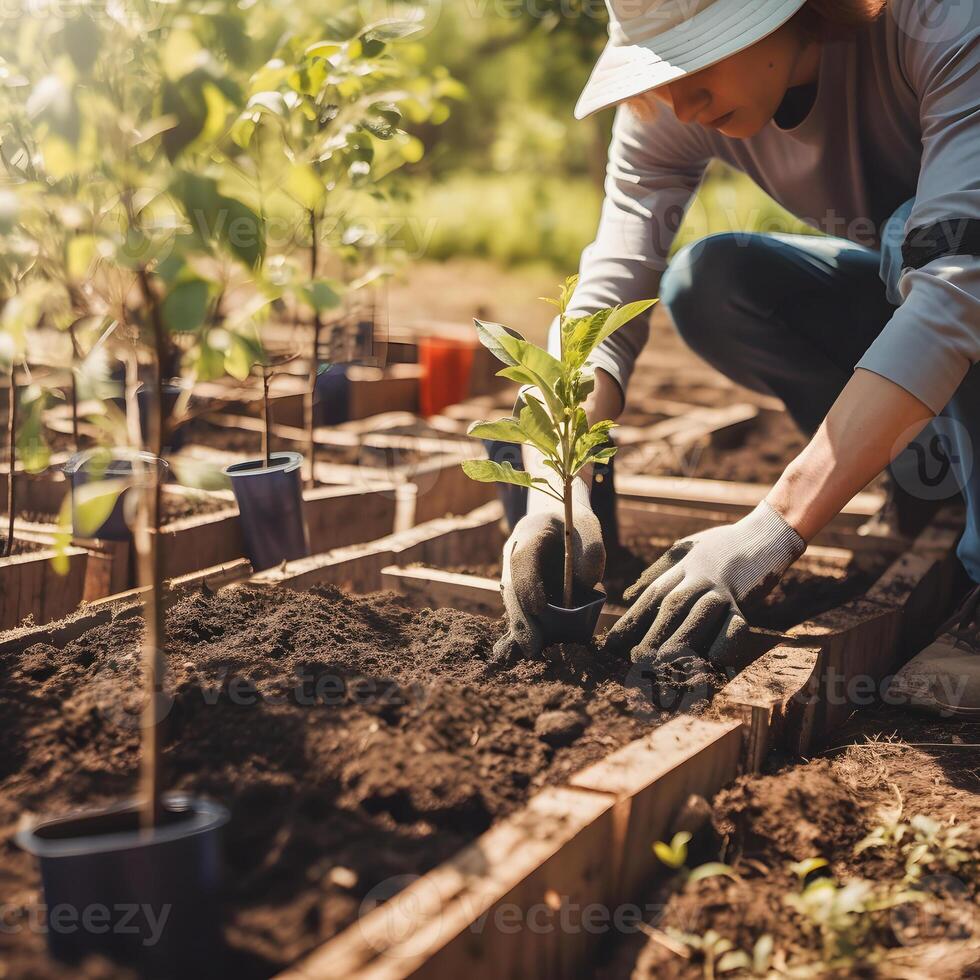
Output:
x,y
331,403
561,625
90,466
144,400
270,505
149,899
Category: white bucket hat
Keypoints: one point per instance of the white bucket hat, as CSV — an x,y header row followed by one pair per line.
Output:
x,y
653,42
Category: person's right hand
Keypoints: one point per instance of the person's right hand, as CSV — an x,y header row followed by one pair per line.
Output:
x,y
533,572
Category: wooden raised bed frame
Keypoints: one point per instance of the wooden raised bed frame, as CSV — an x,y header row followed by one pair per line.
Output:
x,y
587,844
590,842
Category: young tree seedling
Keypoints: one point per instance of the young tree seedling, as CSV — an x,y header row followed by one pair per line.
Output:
x,y
552,419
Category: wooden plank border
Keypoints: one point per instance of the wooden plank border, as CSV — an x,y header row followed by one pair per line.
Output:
x,y
506,904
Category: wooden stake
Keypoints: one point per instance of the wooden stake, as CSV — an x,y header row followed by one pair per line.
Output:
x,y
310,401
12,456
266,418
149,564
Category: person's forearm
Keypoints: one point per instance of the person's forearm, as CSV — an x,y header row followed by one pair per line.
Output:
x,y
605,402
871,422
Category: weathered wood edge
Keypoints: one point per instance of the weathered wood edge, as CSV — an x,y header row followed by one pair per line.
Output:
x,y
796,693
568,848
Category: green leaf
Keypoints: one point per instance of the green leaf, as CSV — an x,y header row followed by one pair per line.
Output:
x,y
493,336
199,474
322,295
62,539
511,348
539,425
622,315
804,868
185,101
712,869
185,306
32,447
80,254
522,376
218,218
93,503
487,471
735,959
506,430
83,41
666,855
303,185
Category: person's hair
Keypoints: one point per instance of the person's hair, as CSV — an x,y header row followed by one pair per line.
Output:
x,y
830,19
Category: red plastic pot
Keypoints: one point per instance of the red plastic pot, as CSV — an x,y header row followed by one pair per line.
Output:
x,y
446,368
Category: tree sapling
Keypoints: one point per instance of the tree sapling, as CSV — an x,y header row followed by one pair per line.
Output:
x,y
552,419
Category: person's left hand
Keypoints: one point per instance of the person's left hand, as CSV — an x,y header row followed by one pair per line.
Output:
x,y
691,599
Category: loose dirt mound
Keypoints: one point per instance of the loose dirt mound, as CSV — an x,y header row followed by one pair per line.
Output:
x,y
900,768
354,741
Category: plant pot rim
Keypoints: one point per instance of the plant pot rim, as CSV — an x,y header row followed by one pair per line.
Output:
x,y
202,816
598,597
282,462
119,454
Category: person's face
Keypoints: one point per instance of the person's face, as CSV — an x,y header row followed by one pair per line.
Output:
x,y
739,95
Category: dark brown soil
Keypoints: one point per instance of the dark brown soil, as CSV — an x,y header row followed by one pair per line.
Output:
x,y
354,741
175,507
201,432
803,593
772,442
885,760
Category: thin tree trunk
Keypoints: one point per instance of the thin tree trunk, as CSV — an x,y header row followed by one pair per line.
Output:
x,y
73,394
147,546
266,419
8,546
569,531
310,401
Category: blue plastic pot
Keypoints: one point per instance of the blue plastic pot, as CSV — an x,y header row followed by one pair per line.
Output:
x,y
91,466
144,400
331,403
270,507
148,899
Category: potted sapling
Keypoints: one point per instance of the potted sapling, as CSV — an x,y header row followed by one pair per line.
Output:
x,y
552,420
269,490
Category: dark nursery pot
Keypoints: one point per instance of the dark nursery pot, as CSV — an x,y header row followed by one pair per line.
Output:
x,y
561,625
149,899
331,401
144,399
85,467
270,506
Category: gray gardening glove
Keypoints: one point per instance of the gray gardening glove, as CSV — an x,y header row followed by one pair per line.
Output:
x,y
533,570
691,599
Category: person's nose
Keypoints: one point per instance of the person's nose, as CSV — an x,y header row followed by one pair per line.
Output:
x,y
688,101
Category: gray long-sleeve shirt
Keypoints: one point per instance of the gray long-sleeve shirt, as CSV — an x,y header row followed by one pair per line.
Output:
x,y
896,116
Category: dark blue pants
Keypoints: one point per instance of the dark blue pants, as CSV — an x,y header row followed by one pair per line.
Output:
x,y
790,316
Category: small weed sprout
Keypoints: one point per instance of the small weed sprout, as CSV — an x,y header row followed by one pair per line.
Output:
x,y
553,420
